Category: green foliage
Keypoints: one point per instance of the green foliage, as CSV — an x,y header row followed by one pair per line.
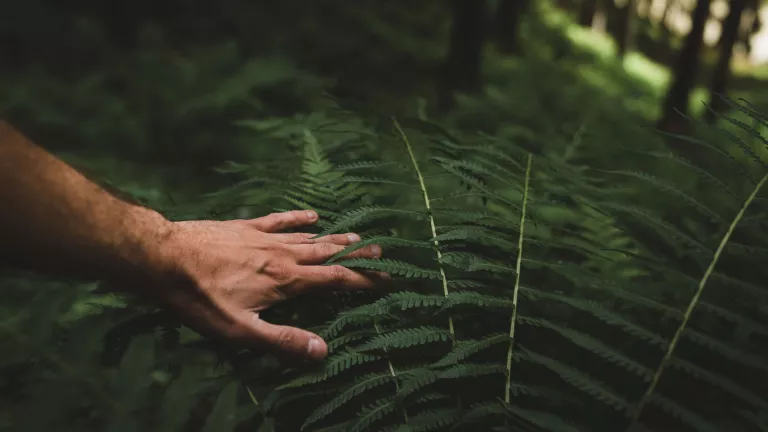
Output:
x,y
594,312
554,266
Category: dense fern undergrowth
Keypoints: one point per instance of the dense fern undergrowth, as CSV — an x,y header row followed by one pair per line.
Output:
x,y
531,291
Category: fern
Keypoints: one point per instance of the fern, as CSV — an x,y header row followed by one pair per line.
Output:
x,y
694,303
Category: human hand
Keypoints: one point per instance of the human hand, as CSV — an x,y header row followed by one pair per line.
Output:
x,y
224,273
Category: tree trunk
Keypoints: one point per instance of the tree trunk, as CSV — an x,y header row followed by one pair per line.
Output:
x,y
587,11
730,35
508,17
464,58
625,26
684,76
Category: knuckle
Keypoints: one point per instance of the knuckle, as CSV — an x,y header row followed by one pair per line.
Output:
x,y
326,249
281,272
285,337
301,238
337,273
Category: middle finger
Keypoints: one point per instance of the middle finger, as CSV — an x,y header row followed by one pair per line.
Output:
x,y
321,252
306,238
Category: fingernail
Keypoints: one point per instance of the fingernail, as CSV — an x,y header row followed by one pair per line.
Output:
x,y
311,215
376,251
353,238
313,342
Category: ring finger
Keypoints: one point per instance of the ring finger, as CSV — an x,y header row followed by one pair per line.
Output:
x,y
321,252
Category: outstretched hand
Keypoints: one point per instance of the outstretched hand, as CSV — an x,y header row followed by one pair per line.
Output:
x,y
223,274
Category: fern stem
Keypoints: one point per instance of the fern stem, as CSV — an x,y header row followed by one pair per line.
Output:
x,y
694,301
517,281
427,204
392,372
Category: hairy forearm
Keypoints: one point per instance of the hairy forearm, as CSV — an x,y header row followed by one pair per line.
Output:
x,y
54,219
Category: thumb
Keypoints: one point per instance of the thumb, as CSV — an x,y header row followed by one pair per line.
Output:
x,y
291,342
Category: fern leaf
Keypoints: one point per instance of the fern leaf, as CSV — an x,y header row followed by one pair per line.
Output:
x,y
597,347
334,365
720,382
392,267
405,338
688,417
694,301
600,313
465,349
382,241
358,388
432,420
372,414
742,357
364,214
580,380
745,323
373,180
544,420
367,165
471,371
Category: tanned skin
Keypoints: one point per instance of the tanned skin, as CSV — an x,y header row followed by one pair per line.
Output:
x,y
217,275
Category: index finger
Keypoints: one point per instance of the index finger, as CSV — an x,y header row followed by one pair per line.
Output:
x,y
275,222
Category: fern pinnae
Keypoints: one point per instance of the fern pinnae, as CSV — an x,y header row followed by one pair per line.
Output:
x,y
428,206
518,264
694,301
392,372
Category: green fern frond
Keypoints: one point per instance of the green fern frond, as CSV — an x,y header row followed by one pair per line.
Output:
x,y
744,323
580,380
720,382
473,262
345,339
415,380
701,172
745,358
686,416
658,223
372,180
464,349
722,154
364,214
694,301
361,315
471,370
466,284
367,165
405,338
600,313
372,414
358,387
432,420
590,281
758,292
384,242
546,421
391,266
334,365
595,346
746,148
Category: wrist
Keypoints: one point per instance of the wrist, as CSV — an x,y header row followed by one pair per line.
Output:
x,y
145,250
